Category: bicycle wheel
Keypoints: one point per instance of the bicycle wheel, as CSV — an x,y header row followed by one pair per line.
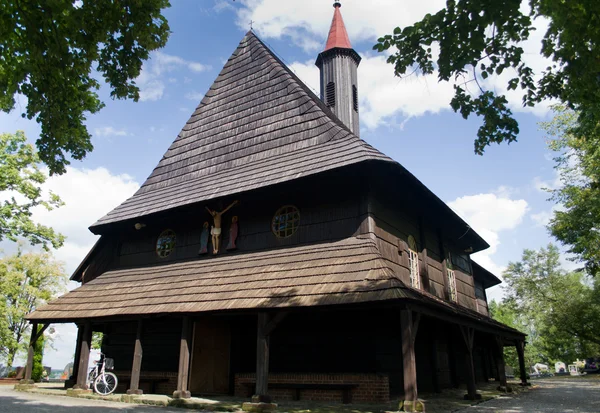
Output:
x,y
105,383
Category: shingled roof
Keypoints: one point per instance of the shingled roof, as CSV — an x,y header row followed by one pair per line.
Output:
x,y
342,272
258,125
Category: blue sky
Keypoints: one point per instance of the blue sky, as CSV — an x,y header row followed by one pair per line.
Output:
x,y
410,120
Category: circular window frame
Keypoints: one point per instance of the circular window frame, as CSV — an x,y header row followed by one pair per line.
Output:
x,y
282,211
164,234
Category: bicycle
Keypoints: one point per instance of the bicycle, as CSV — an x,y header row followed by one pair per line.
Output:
x,y
100,380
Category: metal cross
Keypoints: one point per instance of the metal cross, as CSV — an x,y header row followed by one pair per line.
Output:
x,y
251,21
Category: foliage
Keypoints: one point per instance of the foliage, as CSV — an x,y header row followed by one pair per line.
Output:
x,y
480,38
97,337
27,280
576,221
20,192
50,51
38,355
559,311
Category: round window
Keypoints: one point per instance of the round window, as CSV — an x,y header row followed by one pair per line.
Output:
x,y
285,221
165,243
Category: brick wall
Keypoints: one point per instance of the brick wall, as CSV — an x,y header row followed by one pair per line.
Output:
x,y
372,388
166,381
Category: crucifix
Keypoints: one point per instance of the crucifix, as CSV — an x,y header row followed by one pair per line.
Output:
x,y
251,21
215,230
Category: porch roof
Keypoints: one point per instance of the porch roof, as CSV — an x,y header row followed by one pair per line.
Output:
x,y
342,272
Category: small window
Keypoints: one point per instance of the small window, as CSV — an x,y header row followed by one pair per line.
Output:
x,y
452,285
330,94
355,98
285,221
413,262
165,243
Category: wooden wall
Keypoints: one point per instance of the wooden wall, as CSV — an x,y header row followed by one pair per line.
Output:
x,y
393,225
328,211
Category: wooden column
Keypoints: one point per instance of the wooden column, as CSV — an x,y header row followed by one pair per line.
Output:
x,y
500,366
520,344
84,357
134,384
469,335
73,378
444,265
424,258
182,391
262,360
409,333
435,368
32,340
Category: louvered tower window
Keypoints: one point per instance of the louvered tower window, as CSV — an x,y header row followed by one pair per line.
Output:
x,y
330,94
413,263
355,97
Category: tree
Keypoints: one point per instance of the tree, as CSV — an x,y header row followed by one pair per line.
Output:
x,y
51,51
481,38
20,187
27,280
577,220
560,310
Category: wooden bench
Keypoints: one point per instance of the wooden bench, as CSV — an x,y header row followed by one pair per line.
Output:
x,y
152,380
297,387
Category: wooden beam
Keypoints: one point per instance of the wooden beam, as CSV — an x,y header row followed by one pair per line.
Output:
x,y
274,322
408,356
444,265
468,336
32,340
134,384
84,357
520,345
262,360
73,379
424,257
182,391
500,366
435,379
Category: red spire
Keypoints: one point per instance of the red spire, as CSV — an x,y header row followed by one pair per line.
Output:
x,y
338,36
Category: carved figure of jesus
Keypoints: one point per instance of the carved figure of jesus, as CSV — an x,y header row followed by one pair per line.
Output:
x,y
215,230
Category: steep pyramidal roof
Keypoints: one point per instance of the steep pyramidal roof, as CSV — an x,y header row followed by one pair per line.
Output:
x,y
338,36
258,125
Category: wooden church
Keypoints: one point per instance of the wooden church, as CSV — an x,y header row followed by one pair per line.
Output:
x,y
272,253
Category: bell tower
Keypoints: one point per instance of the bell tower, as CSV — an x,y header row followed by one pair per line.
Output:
x,y
338,64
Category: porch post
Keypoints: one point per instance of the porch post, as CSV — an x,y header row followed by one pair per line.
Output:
x,y
182,391
29,366
136,367
520,344
435,379
469,335
84,357
409,333
500,367
70,382
262,360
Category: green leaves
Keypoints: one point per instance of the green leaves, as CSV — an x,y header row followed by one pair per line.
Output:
x,y
480,38
27,280
576,223
48,51
559,311
20,189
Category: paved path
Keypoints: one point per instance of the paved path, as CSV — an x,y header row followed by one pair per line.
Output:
x,y
12,401
576,395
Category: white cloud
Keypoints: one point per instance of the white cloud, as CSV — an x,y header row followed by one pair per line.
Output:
x,y
151,80
542,218
489,215
195,96
383,96
88,195
109,131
